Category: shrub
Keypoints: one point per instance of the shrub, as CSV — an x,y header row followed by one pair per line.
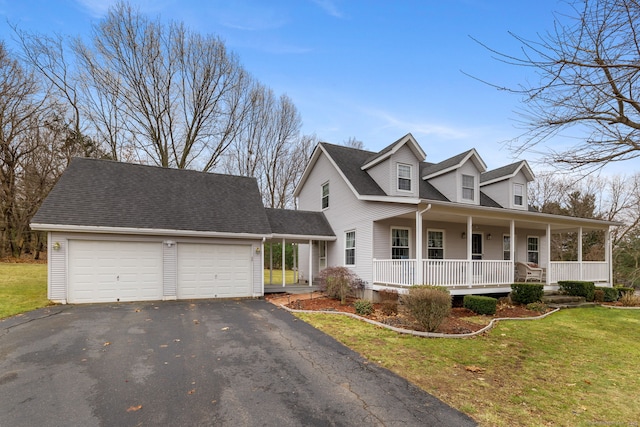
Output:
x,y
429,305
339,283
598,295
610,294
540,307
480,304
578,288
623,290
629,299
526,293
389,308
388,295
363,307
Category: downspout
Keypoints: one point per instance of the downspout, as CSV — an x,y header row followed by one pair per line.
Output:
x,y
264,239
419,266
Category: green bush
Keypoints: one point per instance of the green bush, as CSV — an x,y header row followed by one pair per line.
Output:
x,y
389,308
480,304
363,307
429,305
623,290
339,283
610,294
540,307
578,288
526,293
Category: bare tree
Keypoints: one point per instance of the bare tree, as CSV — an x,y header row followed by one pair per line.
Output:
x,y
353,142
588,69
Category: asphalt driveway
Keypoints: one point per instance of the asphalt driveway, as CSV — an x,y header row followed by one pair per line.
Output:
x,y
214,363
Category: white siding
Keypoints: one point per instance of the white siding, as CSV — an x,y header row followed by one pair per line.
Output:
x,y
57,266
503,193
382,175
447,184
346,213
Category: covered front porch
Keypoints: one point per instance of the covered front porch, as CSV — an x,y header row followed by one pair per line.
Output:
x,y
473,251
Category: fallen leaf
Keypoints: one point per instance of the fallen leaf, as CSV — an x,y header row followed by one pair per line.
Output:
x,y
176,340
474,369
571,385
191,391
587,382
163,345
137,310
226,328
106,344
195,321
134,408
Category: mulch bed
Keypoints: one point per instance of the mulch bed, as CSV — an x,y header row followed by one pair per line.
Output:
x,y
460,321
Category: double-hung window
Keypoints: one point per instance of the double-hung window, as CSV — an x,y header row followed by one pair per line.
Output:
x,y
325,195
518,194
506,247
404,177
399,243
468,187
532,249
435,244
350,248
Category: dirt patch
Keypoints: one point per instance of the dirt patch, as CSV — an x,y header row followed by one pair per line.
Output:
x,y
460,321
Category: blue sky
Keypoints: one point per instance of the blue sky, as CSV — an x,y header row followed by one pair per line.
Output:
x,y
374,70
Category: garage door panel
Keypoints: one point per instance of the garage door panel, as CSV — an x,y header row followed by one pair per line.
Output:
x,y
103,271
213,271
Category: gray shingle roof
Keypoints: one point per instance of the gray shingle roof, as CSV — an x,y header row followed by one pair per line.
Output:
x,y
285,221
500,172
384,151
111,194
446,164
350,161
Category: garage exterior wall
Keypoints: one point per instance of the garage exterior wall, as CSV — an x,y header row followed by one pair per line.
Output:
x,y
58,259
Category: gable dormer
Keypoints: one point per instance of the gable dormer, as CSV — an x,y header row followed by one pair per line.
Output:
x,y
396,168
508,185
458,178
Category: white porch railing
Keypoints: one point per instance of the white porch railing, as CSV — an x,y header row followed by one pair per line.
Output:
x,y
593,271
455,273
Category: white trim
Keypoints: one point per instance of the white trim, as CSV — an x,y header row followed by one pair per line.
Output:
x,y
301,237
523,165
463,187
355,247
479,163
503,251
410,179
323,208
444,242
409,231
514,186
143,231
527,248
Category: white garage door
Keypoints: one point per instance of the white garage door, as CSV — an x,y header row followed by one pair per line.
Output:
x,y
104,271
213,271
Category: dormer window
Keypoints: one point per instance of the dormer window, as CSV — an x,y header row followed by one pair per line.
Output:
x,y
468,187
404,177
518,194
325,195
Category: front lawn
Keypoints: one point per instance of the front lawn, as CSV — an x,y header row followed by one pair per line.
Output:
x,y
23,287
575,367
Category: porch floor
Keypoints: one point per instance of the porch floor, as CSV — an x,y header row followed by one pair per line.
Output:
x,y
290,289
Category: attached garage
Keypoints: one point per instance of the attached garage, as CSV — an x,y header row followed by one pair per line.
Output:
x,y
214,271
109,271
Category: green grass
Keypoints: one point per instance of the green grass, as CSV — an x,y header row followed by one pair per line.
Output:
x,y
23,287
277,277
578,367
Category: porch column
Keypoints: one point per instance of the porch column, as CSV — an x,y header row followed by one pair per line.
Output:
x,y
580,251
608,253
294,251
548,279
271,262
284,271
418,279
512,243
469,251
310,262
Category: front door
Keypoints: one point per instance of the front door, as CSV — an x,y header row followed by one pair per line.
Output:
x,y
476,246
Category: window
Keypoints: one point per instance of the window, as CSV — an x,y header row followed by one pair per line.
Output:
x,y
322,255
399,243
435,244
404,177
468,187
325,195
532,249
506,247
350,248
518,194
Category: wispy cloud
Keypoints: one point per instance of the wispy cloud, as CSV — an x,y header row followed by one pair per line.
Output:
x,y
330,8
418,127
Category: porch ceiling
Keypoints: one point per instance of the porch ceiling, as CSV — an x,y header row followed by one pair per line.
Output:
x,y
502,218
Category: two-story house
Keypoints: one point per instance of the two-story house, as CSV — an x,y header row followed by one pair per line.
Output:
x,y
400,221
